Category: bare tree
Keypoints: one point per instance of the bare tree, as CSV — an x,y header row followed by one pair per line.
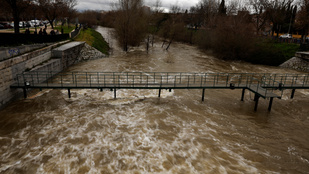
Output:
x,y
276,12
303,18
89,17
53,9
131,24
17,7
173,26
5,11
68,11
259,15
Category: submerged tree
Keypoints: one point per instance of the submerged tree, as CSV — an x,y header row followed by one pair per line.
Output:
x,y
131,24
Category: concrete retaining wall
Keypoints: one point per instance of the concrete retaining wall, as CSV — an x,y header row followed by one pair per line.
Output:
x,y
39,60
9,52
68,53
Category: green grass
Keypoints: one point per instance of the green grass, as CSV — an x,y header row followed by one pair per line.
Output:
x,y
288,50
94,39
66,29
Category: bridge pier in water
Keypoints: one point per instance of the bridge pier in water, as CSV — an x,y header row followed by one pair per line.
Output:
x,y
203,94
256,99
293,93
25,92
243,94
69,92
270,104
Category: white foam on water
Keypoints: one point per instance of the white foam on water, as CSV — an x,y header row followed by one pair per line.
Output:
x,y
305,92
5,167
120,138
123,96
40,93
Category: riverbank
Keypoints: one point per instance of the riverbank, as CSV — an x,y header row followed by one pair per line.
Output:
x,y
239,47
94,39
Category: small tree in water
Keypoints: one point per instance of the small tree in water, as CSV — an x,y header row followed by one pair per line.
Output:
x,y
131,23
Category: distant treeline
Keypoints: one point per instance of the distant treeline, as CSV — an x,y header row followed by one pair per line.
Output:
x,y
229,30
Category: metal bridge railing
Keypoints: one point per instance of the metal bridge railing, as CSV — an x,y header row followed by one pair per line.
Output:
x,y
258,82
138,79
287,81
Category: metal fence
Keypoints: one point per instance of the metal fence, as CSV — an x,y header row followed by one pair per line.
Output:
x,y
74,33
9,39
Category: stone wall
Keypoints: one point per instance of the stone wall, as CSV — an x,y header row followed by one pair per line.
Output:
x,y
9,52
68,53
90,53
300,62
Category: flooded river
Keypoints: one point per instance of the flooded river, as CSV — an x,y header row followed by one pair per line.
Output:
x,y
141,133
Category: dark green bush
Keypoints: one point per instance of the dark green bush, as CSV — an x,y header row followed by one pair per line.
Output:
x,y
272,53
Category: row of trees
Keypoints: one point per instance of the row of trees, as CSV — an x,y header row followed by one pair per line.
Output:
x,y
229,29
134,22
38,9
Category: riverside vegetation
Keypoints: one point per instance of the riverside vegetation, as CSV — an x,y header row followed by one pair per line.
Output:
x,y
228,30
94,39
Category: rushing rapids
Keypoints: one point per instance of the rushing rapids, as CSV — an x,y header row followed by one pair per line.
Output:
x,y
141,133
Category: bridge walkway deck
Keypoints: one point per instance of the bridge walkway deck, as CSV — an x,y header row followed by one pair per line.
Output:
x,y
262,85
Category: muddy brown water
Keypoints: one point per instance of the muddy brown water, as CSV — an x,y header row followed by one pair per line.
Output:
x,y
141,133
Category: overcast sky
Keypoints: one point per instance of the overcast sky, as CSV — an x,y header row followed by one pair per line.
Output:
x,y
106,4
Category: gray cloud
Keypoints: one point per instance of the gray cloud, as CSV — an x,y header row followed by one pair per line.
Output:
x,y
106,4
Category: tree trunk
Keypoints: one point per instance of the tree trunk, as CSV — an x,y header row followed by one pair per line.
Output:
x,y
152,40
147,45
169,44
163,43
16,17
16,24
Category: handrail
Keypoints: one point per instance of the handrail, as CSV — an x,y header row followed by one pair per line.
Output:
x,y
164,79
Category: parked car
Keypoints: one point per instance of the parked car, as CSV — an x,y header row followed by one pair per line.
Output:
x,y
286,36
29,24
36,23
45,22
22,24
1,26
6,25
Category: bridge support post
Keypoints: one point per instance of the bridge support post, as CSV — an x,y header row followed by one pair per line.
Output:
x,y
25,92
203,94
270,104
69,92
159,92
256,99
243,94
115,93
293,93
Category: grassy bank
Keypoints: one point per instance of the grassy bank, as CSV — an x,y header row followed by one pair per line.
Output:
x,y
94,39
272,53
66,29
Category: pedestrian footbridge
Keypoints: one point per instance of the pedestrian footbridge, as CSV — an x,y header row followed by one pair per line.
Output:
x,y
267,86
